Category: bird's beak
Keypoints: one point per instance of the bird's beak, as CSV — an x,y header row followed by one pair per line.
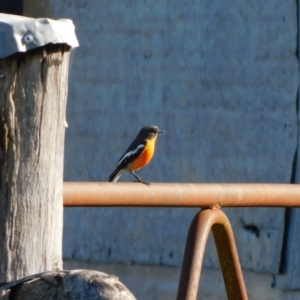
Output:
x,y
161,131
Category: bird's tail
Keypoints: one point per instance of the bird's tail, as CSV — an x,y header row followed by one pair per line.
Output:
x,y
114,176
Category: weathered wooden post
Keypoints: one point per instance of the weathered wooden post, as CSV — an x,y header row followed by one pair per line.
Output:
x,y
33,95
34,62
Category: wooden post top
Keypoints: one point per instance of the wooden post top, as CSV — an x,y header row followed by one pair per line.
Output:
x,y
20,34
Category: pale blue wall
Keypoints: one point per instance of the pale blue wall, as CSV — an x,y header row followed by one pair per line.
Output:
x,y
221,77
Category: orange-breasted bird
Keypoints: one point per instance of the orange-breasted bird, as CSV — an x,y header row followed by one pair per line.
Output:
x,y
138,154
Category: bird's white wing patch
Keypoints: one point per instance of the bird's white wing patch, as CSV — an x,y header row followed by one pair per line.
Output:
x,y
130,153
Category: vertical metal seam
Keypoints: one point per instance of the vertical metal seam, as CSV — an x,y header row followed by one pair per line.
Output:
x,y
283,265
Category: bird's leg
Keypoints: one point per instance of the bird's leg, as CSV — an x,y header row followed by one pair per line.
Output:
x,y
139,179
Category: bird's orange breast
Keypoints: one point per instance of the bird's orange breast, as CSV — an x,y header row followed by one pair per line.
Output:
x,y
145,157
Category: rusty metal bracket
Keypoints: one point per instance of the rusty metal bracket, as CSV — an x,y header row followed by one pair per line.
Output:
x,y
204,221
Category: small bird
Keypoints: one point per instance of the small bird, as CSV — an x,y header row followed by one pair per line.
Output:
x,y
138,154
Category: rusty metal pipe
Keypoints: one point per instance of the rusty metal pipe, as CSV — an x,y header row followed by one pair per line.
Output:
x,y
180,194
199,230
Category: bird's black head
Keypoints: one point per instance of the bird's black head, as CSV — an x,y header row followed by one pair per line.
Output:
x,y
150,131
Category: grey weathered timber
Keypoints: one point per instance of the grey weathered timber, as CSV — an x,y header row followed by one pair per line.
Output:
x,y
33,94
73,285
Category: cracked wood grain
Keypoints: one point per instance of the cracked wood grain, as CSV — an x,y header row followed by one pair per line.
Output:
x,y
33,94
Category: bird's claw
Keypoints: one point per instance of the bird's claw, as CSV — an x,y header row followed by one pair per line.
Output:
x,y
144,182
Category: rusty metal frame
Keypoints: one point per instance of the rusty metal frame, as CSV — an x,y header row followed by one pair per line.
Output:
x,y
215,220
180,194
209,196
